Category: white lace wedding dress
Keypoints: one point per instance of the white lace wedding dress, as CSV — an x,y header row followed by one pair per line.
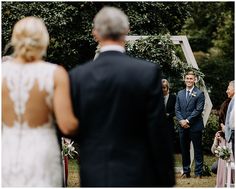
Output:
x,y
30,149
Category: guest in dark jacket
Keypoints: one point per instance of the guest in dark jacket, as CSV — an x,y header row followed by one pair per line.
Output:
x,y
169,100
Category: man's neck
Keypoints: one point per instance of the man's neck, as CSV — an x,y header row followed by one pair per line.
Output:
x,y
111,42
190,88
165,94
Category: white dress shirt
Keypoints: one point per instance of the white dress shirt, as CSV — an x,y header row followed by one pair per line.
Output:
x,y
112,48
166,99
190,91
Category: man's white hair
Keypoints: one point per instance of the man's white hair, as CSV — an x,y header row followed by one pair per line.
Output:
x,y
111,22
232,83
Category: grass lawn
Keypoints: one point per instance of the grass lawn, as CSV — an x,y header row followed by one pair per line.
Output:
x,y
205,181
73,174
74,180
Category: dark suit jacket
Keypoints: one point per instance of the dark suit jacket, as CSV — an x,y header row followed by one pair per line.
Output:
x,y
170,109
122,131
191,110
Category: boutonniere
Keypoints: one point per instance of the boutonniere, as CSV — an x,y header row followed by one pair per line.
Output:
x,y
193,94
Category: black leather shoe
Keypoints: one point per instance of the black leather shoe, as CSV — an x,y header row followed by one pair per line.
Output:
x,y
185,175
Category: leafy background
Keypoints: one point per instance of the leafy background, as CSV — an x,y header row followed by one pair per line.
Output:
x,y
209,27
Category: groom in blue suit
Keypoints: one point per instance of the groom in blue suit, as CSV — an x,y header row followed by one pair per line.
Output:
x,y
189,106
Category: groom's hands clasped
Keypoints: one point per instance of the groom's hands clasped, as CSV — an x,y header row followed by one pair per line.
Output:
x,y
184,124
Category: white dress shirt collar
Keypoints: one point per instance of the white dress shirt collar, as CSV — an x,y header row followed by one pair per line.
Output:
x,y
112,48
166,98
190,90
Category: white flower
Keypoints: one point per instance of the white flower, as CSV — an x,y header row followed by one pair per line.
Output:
x,y
219,148
68,148
223,152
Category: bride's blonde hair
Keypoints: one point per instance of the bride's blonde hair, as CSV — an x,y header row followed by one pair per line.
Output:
x,y
30,39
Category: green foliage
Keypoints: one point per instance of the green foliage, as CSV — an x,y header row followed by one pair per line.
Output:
x,y
156,17
161,50
208,25
224,40
158,49
210,30
219,73
206,170
209,132
211,25
70,24
201,25
58,18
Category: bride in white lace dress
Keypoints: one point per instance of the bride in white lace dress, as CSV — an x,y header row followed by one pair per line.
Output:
x,y
33,93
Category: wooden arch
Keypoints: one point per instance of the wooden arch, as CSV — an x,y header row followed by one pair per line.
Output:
x,y
183,42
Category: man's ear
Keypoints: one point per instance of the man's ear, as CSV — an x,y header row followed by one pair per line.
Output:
x,y
95,35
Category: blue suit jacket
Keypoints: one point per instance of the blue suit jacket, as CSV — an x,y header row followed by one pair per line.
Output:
x,y
191,110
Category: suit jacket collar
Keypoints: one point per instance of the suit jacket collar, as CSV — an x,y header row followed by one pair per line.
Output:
x,y
112,48
191,90
192,94
108,53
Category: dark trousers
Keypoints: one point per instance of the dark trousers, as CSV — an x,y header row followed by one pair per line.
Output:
x,y
186,136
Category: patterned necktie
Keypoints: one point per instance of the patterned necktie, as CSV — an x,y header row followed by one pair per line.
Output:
x,y
188,95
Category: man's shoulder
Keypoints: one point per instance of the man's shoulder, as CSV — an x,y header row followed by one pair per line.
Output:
x,y
80,67
143,62
197,90
172,96
181,91
128,62
141,65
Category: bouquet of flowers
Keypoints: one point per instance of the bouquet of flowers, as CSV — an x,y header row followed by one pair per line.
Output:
x,y
68,149
223,152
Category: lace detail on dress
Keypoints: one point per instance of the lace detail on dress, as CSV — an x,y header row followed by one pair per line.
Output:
x,y
20,79
30,149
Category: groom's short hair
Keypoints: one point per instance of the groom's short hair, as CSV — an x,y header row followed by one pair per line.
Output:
x,y
111,23
190,73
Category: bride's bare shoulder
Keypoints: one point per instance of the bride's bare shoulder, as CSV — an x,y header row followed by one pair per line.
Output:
x,y
60,74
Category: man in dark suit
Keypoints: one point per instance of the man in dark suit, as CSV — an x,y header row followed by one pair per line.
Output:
x,y
123,136
189,106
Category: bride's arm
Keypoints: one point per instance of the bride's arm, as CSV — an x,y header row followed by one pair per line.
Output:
x,y
65,117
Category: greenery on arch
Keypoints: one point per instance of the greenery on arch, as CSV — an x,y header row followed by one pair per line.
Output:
x,y
161,50
70,24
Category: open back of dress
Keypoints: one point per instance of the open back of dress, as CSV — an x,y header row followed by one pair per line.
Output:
x,y
30,150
